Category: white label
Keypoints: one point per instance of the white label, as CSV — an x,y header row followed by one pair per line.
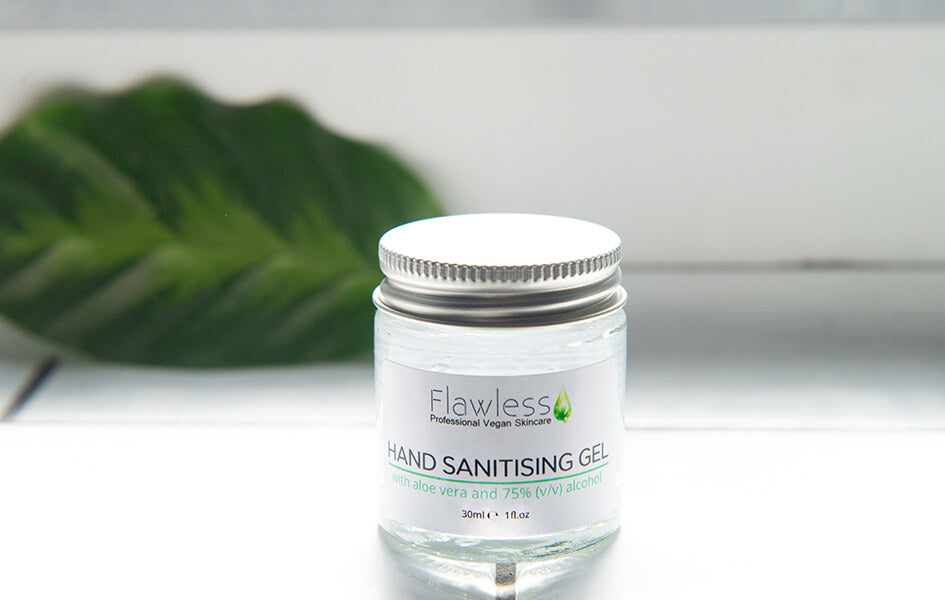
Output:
x,y
499,457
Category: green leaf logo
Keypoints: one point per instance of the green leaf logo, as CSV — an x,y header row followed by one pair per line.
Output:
x,y
563,406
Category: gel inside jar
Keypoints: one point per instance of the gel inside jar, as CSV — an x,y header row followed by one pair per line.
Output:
x,y
500,361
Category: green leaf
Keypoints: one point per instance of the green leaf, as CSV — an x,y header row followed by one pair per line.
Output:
x,y
160,226
563,406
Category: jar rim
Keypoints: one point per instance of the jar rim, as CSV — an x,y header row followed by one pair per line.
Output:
x,y
503,310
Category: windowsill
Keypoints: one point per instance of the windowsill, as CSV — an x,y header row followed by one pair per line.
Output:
x,y
861,350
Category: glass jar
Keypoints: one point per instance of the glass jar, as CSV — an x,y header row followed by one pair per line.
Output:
x,y
500,362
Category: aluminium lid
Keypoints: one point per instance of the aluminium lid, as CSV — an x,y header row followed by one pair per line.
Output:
x,y
500,269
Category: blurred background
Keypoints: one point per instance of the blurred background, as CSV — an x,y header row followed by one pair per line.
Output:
x,y
775,172
190,198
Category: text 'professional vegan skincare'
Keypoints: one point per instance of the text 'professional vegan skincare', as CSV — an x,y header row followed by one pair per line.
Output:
x,y
500,357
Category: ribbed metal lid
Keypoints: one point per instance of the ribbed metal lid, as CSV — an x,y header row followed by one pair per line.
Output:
x,y
500,270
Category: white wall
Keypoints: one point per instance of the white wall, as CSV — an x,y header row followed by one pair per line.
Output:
x,y
696,144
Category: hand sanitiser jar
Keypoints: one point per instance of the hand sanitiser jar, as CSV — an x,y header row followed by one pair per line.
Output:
x,y
500,360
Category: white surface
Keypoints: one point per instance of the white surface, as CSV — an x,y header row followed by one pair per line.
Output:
x,y
158,512
101,393
692,143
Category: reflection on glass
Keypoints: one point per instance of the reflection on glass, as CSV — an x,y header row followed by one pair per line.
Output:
x,y
413,574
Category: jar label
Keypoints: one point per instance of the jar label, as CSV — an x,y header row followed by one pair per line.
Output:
x,y
499,456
